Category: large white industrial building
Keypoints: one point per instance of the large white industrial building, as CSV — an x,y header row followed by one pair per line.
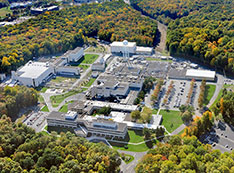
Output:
x,y
33,73
123,47
200,74
129,48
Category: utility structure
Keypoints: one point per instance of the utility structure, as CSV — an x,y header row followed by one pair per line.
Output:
x,y
126,54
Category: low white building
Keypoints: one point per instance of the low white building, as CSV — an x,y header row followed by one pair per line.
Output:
x,y
74,55
200,74
67,70
33,74
144,50
99,66
123,46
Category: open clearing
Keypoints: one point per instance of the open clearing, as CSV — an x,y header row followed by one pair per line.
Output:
x,y
171,119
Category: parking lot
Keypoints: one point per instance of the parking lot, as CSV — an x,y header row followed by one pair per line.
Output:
x,y
179,93
221,137
36,120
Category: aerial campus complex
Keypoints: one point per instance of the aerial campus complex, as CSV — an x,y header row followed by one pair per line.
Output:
x,y
118,77
94,93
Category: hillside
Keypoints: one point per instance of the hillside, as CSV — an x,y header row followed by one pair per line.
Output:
x,y
56,32
202,29
21,150
186,154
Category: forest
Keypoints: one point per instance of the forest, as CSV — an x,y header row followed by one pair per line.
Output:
x,y
13,99
185,154
23,150
225,107
197,29
59,31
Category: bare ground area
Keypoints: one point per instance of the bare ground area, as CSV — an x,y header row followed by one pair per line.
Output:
x,y
163,36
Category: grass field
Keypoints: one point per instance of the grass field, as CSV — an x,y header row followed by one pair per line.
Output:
x,y
157,59
209,92
98,49
43,90
91,81
57,99
41,99
135,136
64,108
219,95
60,79
135,148
89,58
171,119
45,108
4,11
84,67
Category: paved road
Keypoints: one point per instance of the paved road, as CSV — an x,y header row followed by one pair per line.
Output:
x,y
129,168
219,86
178,130
46,96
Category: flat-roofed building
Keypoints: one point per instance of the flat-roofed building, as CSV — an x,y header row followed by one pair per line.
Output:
x,y
74,55
62,119
98,127
33,74
106,128
120,47
144,50
200,74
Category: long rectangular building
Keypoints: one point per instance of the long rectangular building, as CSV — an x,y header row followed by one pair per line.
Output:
x,y
200,74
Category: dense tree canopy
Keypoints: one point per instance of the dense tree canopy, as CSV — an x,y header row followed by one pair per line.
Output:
x,y
23,150
225,107
186,154
13,99
59,31
201,29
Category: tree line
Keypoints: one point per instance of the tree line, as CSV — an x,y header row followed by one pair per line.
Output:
x,y
59,31
23,150
200,30
185,154
224,108
13,99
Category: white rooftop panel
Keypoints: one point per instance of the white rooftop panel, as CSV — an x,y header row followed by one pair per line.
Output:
x,y
33,69
200,73
144,49
119,43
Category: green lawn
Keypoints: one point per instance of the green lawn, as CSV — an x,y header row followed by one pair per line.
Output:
x,y
84,67
4,11
209,92
135,136
171,119
45,109
156,59
89,58
219,96
41,99
43,90
91,81
135,148
57,99
98,49
64,108
155,111
60,79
